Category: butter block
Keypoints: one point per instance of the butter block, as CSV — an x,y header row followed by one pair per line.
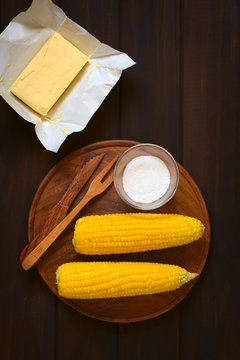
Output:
x,y
48,74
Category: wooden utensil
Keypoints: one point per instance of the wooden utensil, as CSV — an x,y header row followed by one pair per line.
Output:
x,y
59,211
97,186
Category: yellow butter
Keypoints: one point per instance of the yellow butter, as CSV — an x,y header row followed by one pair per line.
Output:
x,y
48,74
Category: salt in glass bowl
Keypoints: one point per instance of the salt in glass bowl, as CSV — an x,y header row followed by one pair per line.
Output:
x,y
146,150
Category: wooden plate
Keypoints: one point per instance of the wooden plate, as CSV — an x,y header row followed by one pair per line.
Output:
x,y
187,200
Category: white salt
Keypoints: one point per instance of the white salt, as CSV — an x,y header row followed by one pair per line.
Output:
x,y
146,179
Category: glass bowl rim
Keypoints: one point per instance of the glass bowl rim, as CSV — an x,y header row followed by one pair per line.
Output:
x,y
152,205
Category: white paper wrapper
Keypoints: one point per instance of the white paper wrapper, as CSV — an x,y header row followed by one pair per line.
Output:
x,y
24,37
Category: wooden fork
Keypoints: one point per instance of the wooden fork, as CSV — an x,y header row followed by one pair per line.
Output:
x,y
97,186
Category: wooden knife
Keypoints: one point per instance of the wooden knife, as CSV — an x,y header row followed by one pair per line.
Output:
x,y
59,211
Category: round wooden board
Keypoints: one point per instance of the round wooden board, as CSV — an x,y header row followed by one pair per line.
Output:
x,y
187,201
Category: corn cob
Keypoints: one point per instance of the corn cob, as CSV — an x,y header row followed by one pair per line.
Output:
x,y
93,280
123,233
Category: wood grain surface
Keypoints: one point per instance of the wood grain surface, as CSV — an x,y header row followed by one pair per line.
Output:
x,y
182,94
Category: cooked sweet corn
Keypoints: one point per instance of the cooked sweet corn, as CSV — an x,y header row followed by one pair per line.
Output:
x,y
124,233
93,280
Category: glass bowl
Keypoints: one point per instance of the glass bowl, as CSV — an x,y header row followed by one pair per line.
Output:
x,y
146,150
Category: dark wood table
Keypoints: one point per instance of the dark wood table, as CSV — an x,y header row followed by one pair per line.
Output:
x,y
183,94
